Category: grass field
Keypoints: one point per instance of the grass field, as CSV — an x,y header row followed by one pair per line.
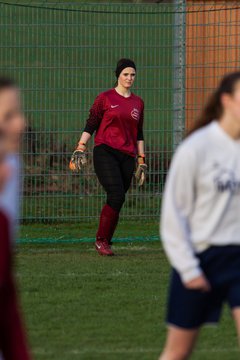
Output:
x,y
85,232
79,305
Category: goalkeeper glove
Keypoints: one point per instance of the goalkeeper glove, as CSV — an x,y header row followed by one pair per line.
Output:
x,y
78,159
141,171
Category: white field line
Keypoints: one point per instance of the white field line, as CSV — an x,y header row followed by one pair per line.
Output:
x,y
68,275
98,351
90,249
130,351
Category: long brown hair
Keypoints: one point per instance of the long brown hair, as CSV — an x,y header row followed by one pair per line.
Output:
x,y
213,109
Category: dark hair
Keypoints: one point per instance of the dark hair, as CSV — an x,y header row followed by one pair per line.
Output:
x,y
122,64
2,136
2,152
6,83
213,109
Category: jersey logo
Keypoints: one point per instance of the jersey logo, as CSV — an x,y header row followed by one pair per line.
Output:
x,y
135,114
114,106
226,180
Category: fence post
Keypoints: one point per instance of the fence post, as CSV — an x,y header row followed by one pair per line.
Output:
x,y
179,71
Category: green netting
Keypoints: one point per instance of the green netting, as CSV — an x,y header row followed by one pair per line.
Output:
x,y
63,56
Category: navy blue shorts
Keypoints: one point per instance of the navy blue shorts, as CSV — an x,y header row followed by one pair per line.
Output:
x,y
190,309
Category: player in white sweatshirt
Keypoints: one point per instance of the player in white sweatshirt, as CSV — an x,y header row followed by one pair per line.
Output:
x,y
200,224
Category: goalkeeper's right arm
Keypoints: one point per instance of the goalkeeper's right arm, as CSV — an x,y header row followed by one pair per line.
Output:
x,y
78,158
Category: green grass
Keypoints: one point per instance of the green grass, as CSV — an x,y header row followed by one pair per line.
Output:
x,y
79,305
85,231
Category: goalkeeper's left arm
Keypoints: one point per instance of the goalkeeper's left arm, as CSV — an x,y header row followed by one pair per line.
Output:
x,y
141,165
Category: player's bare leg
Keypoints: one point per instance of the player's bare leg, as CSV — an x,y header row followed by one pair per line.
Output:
x,y
179,343
236,316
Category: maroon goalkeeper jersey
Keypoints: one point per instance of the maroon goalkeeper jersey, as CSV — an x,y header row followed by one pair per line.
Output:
x,y
118,121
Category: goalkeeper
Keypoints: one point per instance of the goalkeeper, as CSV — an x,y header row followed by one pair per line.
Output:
x,y
117,118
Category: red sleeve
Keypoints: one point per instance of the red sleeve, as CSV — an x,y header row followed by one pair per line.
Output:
x,y
140,124
13,340
12,334
95,115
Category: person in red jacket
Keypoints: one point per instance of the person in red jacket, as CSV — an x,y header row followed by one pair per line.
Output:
x,y
12,335
117,118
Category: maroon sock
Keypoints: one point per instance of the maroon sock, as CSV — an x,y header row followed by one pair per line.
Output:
x,y
108,223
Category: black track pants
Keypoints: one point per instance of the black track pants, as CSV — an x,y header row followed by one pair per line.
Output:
x,y
114,170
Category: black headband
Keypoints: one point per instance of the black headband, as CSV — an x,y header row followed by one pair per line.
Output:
x,y
124,65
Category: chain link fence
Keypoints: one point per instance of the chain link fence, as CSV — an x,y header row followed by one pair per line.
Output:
x,y
64,54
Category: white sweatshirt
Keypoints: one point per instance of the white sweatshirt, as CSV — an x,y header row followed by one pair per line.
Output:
x,y
201,202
